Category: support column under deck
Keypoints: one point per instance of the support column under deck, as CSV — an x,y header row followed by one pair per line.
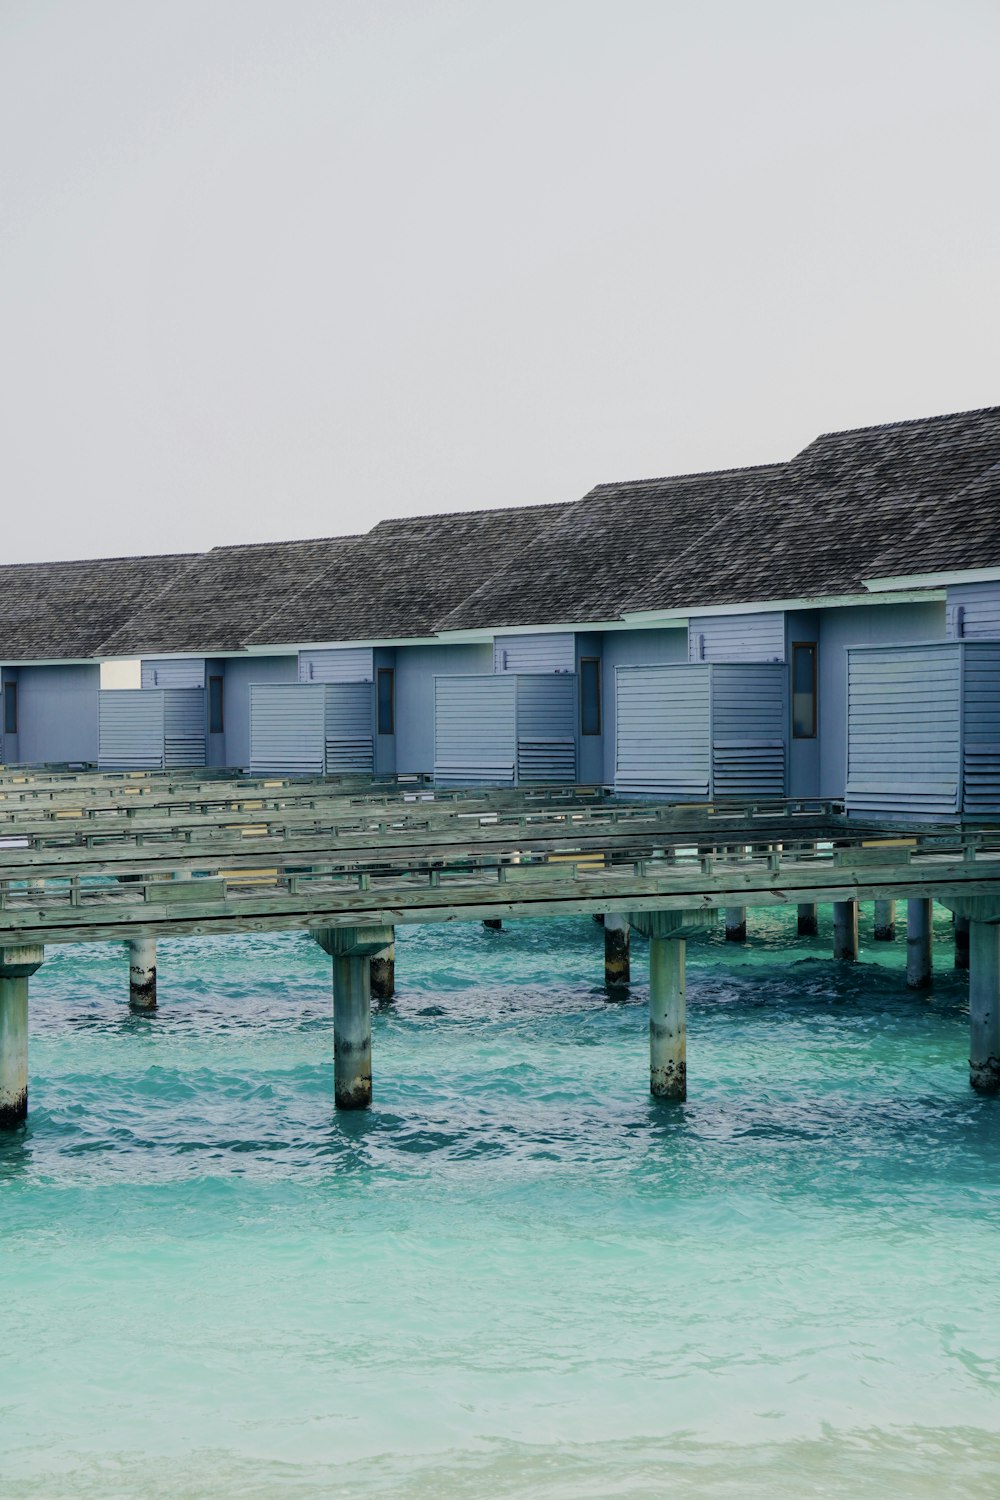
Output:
x,y
16,967
918,944
617,959
352,1031
382,974
667,1018
885,921
984,1007
141,973
736,924
808,919
961,942
845,931
352,949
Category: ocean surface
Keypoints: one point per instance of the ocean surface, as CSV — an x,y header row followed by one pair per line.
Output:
x,y
518,1275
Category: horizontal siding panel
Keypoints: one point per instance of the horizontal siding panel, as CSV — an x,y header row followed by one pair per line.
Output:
x,y
750,638
663,743
337,664
475,730
904,730
184,672
555,652
287,729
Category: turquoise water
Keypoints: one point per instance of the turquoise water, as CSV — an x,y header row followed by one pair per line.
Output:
x,y
518,1275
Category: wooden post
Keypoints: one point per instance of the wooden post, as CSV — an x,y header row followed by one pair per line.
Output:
x,y
142,973
885,921
617,966
16,967
382,974
961,942
918,944
736,924
984,1007
808,919
845,930
667,1018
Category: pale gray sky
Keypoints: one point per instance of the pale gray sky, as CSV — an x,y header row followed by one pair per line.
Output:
x,y
281,269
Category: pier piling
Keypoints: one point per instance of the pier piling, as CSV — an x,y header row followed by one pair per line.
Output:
x,y
142,973
617,965
808,919
736,924
918,944
352,949
885,921
845,930
984,1007
16,967
667,1018
382,973
961,942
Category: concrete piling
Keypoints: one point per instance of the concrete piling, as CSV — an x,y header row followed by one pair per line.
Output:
x,y
352,949
918,944
961,942
845,931
142,973
808,919
16,967
736,924
617,965
667,1018
382,973
352,1031
984,1007
885,921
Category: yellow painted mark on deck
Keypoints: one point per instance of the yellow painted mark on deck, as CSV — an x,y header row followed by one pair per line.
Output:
x,y
250,877
254,830
888,843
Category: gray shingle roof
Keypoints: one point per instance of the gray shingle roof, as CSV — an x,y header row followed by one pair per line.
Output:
x,y
63,610
907,498
404,576
223,596
591,558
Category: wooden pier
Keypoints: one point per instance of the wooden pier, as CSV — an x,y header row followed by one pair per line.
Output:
x,y
92,857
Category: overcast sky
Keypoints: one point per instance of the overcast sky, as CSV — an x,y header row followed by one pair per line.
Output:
x,y
281,269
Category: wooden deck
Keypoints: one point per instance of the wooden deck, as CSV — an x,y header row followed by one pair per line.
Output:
x,y
92,857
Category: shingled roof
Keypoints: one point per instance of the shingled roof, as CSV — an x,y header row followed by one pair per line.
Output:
x,y
902,499
404,576
223,596
62,611
588,561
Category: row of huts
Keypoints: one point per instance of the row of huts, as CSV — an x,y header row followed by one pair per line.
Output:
x,y
823,627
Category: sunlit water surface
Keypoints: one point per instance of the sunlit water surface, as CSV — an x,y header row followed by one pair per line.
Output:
x,y
517,1275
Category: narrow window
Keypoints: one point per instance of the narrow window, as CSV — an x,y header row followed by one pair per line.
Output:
x,y
804,690
216,709
386,700
10,708
590,695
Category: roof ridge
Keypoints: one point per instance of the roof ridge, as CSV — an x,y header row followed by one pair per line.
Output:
x,y
617,484
89,562
945,416
302,541
484,510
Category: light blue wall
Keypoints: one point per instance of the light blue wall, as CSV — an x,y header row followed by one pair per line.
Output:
x,y
57,711
633,648
859,625
416,668
239,673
